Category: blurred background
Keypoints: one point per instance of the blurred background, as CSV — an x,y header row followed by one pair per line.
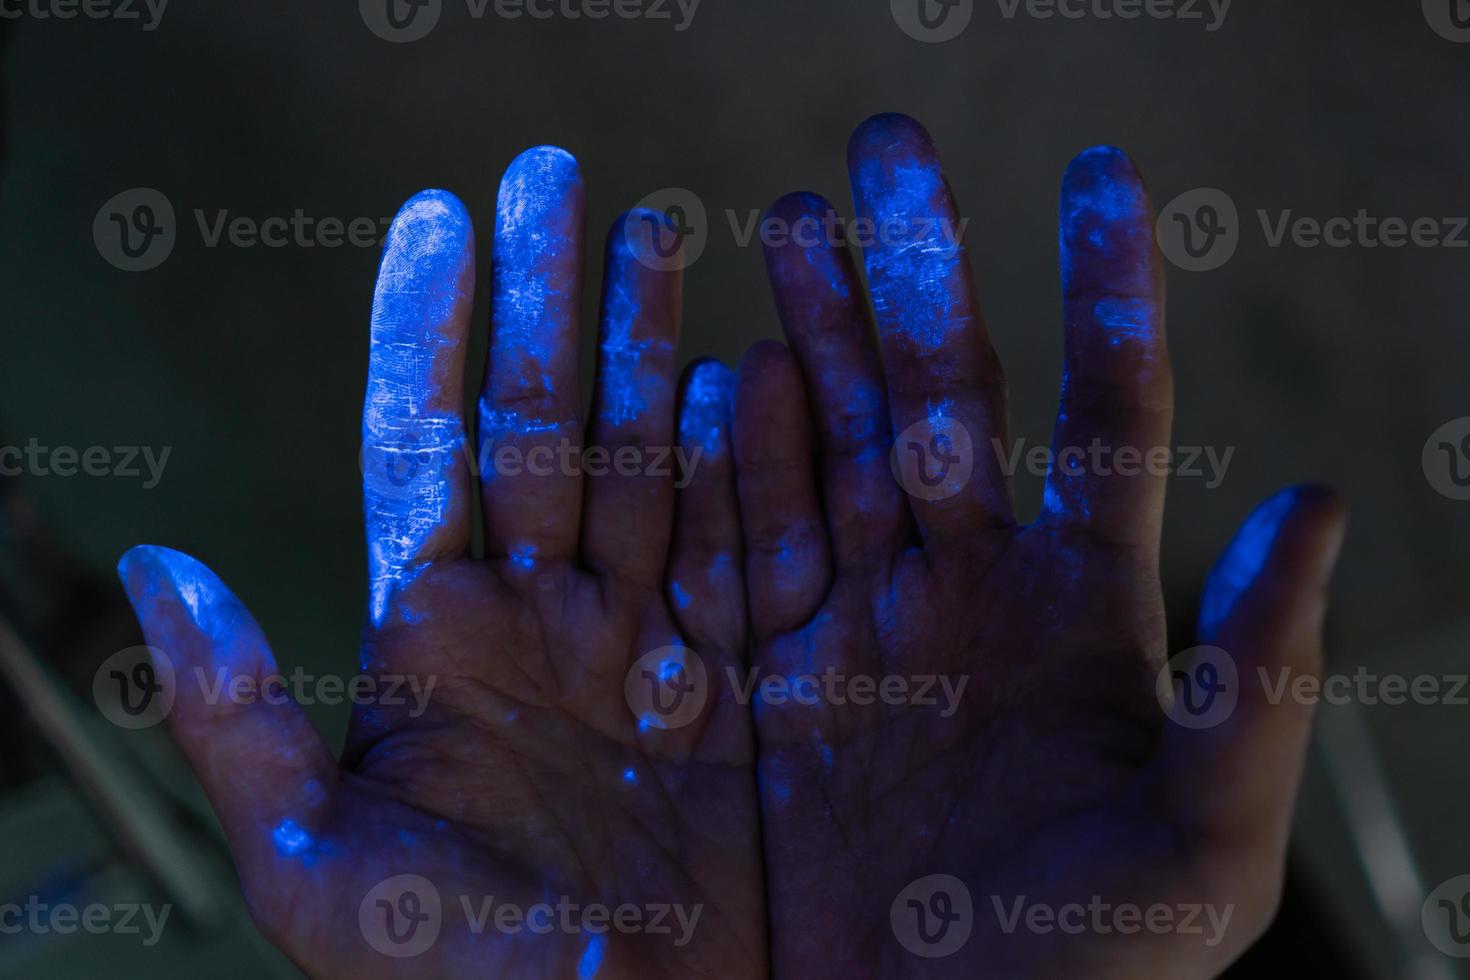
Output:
x,y
246,362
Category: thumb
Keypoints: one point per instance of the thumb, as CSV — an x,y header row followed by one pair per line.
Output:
x,y
1233,778
263,766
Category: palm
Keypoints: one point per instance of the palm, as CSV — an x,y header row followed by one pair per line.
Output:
x,y
524,777
1043,753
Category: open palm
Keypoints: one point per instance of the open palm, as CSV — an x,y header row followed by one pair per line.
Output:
x,y
622,842
1006,750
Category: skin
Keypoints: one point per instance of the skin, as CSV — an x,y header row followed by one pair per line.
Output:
x,y
1058,777
528,776
1054,776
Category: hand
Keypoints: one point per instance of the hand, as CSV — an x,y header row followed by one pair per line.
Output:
x,y
1054,777
525,777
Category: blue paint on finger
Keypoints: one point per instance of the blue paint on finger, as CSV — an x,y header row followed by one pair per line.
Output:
x,y
412,433
915,257
533,239
1244,560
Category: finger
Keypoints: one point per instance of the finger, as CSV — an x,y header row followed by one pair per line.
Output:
x,y
1117,392
416,480
945,390
787,562
706,588
265,769
530,408
820,299
1234,780
630,487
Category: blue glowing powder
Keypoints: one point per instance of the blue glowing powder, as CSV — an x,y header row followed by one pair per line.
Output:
x,y
410,444
915,266
1243,561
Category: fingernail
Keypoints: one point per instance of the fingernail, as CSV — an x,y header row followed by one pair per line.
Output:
x,y
706,413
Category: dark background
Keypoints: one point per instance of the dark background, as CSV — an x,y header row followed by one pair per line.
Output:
x,y
1323,364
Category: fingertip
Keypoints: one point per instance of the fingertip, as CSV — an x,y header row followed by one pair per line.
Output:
x,y
431,211
537,186
1105,209
646,237
704,418
793,207
1294,536
885,132
165,586
761,365
1105,164
545,163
